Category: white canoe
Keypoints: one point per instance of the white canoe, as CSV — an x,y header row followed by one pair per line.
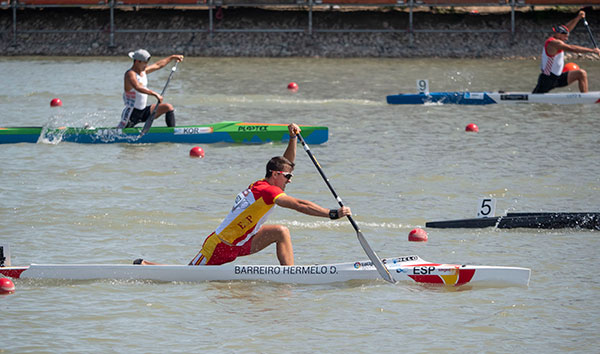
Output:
x,y
484,98
408,269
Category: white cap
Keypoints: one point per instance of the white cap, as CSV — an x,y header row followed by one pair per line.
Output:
x,y
140,54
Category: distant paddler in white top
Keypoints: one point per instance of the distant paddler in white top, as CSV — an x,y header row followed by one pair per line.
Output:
x,y
553,59
136,92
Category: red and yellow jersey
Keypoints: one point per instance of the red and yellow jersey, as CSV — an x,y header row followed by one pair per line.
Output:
x,y
250,210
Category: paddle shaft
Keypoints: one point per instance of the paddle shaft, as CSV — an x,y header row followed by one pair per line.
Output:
x,y
383,271
151,118
590,33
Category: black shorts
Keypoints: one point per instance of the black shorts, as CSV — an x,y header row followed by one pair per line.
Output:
x,y
548,82
138,116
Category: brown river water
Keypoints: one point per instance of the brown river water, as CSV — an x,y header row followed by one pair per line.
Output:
x,y
397,167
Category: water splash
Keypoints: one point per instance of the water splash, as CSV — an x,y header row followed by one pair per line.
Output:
x,y
54,130
340,224
463,81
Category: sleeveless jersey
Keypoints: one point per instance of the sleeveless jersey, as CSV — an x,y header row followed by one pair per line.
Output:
x,y
133,99
250,210
552,64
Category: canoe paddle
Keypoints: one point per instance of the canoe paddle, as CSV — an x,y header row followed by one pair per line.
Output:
x,y
383,271
151,118
590,32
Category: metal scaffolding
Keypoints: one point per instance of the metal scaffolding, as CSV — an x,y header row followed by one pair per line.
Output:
x,y
214,9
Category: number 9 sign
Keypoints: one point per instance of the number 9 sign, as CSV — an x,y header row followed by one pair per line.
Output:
x,y
423,86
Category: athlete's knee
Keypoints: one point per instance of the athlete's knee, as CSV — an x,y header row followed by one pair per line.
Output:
x,y
164,108
580,74
283,233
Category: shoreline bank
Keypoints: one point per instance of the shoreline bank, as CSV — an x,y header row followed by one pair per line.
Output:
x,y
450,34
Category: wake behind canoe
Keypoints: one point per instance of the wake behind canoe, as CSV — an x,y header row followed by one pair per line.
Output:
x,y
224,132
485,98
411,269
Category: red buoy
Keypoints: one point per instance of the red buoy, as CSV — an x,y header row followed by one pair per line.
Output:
x,y
6,286
417,235
197,151
472,127
56,102
570,66
292,86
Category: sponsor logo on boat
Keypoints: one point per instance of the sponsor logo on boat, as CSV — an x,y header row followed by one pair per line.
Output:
x,y
452,270
291,270
192,130
514,97
108,132
253,128
474,95
405,259
359,265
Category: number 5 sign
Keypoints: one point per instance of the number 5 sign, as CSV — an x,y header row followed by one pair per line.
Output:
x,y
486,208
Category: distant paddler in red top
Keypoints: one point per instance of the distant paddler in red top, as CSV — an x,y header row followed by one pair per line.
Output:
x,y
243,231
136,92
553,59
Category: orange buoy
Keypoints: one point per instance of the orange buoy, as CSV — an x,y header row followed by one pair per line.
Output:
x,y
417,235
56,102
6,286
472,127
292,86
570,66
197,151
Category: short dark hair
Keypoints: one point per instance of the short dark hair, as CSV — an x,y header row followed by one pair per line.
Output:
x,y
277,163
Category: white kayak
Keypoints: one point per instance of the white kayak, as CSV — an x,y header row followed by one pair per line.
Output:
x,y
484,98
410,269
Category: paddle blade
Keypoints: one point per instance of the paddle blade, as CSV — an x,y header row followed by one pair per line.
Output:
x,y
382,269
